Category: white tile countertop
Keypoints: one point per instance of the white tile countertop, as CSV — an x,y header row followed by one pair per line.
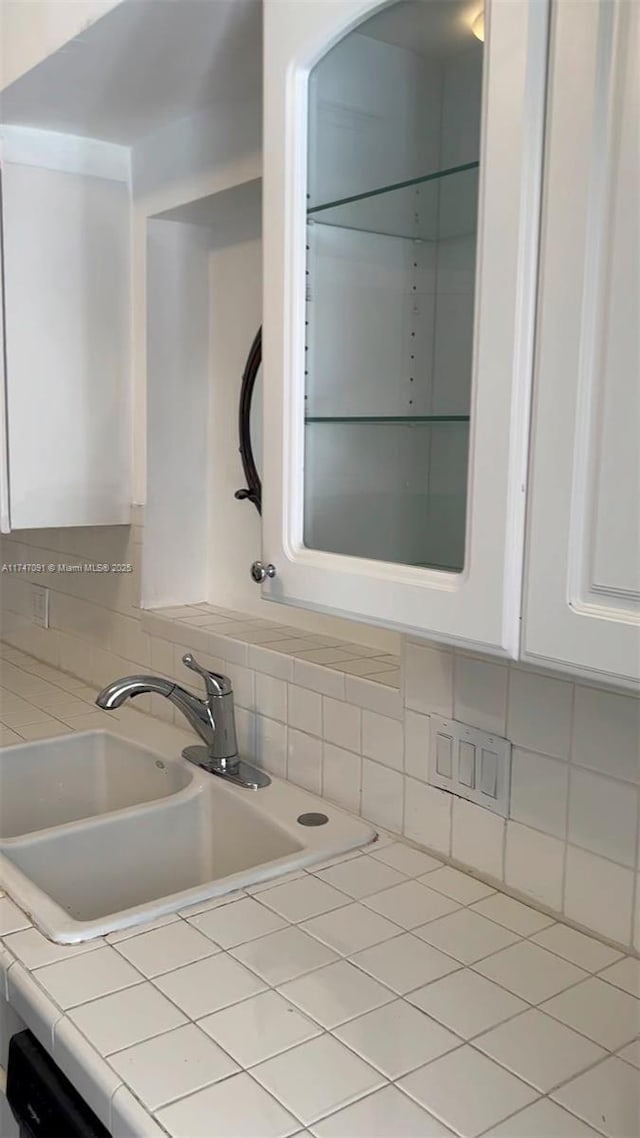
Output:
x,y
381,995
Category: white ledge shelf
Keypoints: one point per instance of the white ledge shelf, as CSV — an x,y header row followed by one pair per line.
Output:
x,y
244,639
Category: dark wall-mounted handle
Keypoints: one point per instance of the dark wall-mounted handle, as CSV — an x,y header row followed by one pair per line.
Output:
x,y
253,492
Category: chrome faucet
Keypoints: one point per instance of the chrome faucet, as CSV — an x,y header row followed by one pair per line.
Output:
x,y
213,718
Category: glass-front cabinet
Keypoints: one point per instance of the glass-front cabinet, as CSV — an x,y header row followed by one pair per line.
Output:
x,y
402,178
392,191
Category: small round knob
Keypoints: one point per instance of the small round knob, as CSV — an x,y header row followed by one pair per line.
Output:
x,y
260,571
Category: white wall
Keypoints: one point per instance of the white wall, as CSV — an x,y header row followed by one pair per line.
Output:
x,y
375,108
204,297
191,159
33,29
235,305
178,375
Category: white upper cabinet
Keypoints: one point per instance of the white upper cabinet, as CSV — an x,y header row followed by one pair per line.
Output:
x,y
402,174
66,271
583,581
131,159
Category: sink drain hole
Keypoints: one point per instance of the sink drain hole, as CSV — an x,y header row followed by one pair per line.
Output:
x,y
312,819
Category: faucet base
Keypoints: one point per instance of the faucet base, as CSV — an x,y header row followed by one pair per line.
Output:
x,y
241,773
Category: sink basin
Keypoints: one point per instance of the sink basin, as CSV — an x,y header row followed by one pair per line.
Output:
x,y
56,781
89,878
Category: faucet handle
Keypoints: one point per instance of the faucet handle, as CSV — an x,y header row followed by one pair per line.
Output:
x,y
215,683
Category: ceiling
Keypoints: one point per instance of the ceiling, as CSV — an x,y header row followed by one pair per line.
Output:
x,y
144,64
427,27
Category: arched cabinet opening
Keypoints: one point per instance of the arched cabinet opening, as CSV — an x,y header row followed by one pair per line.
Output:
x,y
393,163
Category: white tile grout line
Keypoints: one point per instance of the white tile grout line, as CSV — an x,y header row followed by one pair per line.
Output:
x,y
498,885
547,1097
461,966
240,895
272,988
387,1080
351,900
393,1081
494,883
71,695
25,697
325,1031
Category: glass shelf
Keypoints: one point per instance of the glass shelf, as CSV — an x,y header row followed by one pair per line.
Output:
x,y
415,209
408,420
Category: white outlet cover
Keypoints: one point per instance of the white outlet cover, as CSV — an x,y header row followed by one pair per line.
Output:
x,y
40,606
470,763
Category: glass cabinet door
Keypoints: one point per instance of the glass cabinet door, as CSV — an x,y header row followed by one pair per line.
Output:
x,y
394,114
401,197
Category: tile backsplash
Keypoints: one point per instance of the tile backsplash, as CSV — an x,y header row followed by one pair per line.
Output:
x,y
339,719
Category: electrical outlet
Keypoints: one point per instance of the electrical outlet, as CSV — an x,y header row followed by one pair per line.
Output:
x,y
470,763
39,606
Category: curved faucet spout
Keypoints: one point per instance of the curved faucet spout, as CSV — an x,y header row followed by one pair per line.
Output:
x,y
198,712
119,691
212,718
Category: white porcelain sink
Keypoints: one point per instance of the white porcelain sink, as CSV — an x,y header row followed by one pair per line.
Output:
x,y
85,878
61,780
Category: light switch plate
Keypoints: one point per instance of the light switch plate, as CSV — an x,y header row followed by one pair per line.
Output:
x,y
39,606
470,763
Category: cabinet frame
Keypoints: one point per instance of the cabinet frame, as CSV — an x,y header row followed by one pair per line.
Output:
x,y
481,605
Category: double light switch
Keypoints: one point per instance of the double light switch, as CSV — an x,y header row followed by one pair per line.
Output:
x,y
470,763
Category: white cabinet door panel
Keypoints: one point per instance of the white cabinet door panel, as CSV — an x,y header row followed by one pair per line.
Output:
x,y
66,307
583,582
